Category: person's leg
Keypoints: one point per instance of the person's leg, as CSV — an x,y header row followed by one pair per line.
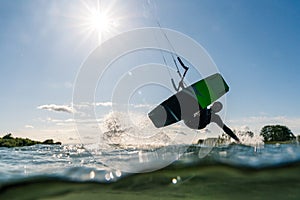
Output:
x,y
217,119
229,132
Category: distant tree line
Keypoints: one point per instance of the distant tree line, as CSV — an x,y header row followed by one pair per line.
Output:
x,y
270,134
277,133
9,141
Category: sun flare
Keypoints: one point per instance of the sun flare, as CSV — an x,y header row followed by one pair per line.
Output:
x,y
98,20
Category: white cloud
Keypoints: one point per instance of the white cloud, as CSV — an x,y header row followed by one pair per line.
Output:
x,y
89,105
105,104
57,108
146,106
49,119
29,126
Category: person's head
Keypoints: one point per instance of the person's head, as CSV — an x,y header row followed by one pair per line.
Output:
x,y
216,107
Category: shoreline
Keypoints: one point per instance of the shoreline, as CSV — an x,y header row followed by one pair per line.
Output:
x,y
10,142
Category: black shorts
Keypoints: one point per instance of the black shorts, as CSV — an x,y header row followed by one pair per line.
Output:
x,y
199,121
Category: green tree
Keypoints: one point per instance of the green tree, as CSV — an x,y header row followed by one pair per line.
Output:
x,y
272,133
7,136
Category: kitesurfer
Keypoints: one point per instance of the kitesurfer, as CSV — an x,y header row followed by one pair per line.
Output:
x,y
202,117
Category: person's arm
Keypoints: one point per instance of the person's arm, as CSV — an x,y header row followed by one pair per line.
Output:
x,y
181,83
217,119
184,67
174,85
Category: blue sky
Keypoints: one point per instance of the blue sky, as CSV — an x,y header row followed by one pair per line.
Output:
x,y
255,45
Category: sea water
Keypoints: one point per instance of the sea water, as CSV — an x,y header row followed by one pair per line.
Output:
x,y
265,171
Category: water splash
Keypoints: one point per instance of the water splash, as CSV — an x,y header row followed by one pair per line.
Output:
x,y
249,138
134,131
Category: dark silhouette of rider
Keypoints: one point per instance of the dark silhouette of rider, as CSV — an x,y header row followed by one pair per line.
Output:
x,y
200,118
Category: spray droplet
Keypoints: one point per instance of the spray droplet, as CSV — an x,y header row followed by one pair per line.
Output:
x,y
92,175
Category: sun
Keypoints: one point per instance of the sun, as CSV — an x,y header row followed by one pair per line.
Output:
x,y
96,19
100,22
